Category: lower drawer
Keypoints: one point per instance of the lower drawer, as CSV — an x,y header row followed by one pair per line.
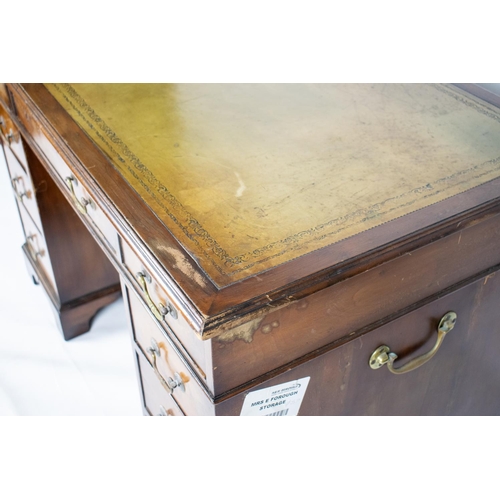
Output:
x,y
461,378
172,371
37,246
156,400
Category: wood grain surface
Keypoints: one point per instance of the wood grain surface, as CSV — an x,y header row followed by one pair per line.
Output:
x,y
461,379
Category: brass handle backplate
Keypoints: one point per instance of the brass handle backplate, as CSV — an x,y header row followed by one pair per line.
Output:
x,y
160,311
383,355
170,384
80,205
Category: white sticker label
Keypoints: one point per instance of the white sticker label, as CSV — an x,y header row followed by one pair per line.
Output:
x,y
282,400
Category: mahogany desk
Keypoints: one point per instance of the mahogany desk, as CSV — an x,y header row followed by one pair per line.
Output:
x,y
281,249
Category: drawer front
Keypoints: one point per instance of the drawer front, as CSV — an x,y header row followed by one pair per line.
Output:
x,y
156,400
106,231
23,187
197,350
11,137
37,246
91,212
83,203
171,369
462,378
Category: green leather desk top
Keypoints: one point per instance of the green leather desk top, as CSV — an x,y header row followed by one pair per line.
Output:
x,y
247,177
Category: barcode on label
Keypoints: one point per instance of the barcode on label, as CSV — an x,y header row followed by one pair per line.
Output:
x,y
278,413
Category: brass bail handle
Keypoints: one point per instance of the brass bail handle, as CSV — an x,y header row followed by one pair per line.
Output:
x,y
30,239
383,355
80,205
160,311
170,383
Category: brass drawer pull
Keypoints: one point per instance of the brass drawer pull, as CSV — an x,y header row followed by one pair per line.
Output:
x,y
30,240
161,311
80,205
383,355
165,413
19,195
171,383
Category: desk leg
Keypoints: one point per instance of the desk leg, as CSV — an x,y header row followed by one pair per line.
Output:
x,y
82,278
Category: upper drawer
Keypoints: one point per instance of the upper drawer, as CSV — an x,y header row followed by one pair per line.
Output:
x,y
11,136
83,203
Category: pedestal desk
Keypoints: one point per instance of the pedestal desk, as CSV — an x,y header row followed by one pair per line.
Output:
x,y
281,249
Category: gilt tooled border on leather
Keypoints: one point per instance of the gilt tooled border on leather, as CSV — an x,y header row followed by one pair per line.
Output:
x,y
198,231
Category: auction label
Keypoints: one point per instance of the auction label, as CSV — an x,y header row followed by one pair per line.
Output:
x,y
282,400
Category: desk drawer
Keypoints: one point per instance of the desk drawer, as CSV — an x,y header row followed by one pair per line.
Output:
x,y
83,203
23,187
156,295
11,137
171,369
156,400
106,231
37,246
